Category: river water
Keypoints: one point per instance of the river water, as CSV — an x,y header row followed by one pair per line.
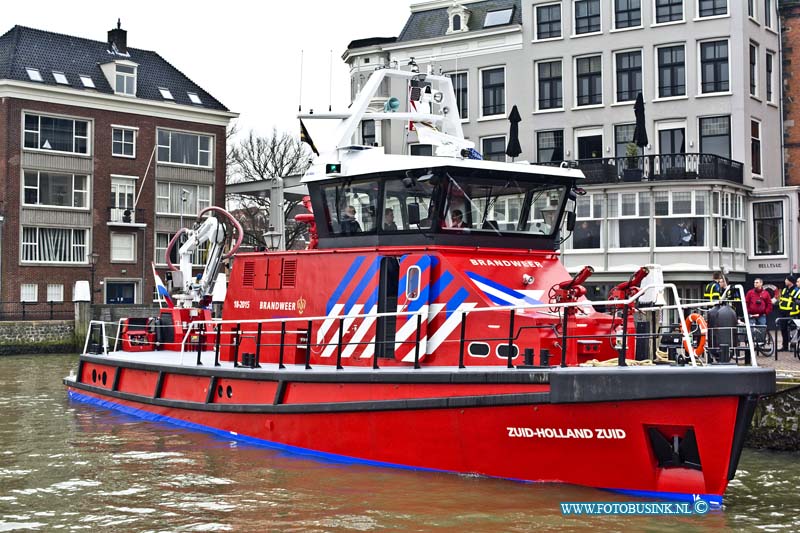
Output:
x,y
71,466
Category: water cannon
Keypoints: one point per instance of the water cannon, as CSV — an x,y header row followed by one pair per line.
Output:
x,y
579,278
571,290
391,105
627,289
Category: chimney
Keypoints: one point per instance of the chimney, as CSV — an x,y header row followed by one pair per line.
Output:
x,y
118,39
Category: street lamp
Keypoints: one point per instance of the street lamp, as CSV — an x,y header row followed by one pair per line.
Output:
x,y
272,239
93,257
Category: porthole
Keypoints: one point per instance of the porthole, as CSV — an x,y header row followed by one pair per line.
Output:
x,y
94,375
219,391
502,351
229,391
105,377
478,349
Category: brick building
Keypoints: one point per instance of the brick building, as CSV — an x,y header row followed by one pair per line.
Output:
x,y
105,151
790,22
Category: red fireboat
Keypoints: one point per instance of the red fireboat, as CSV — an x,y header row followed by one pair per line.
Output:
x,y
430,325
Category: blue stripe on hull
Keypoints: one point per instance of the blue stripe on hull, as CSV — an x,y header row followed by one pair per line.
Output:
x,y
713,500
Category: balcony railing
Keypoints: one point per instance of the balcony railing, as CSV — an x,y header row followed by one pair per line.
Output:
x,y
662,167
125,215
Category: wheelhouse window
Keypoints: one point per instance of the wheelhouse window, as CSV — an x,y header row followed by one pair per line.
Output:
x,y
629,75
54,245
589,80
669,11
54,189
125,82
460,87
493,148
420,149
548,21
587,16
768,228
180,198
493,82
671,71
368,132
550,146
627,13
352,208
714,67
712,8
56,134
123,142
549,85
184,148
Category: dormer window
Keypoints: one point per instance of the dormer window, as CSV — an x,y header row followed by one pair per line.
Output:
x,y
165,93
60,78
87,82
459,18
194,98
34,74
125,80
498,18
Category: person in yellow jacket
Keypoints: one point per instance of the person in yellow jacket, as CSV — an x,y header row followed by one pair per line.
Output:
x,y
714,289
788,301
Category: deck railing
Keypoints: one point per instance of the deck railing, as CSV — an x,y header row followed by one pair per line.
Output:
x,y
198,333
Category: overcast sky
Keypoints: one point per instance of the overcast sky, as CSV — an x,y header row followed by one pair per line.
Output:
x,y
246,54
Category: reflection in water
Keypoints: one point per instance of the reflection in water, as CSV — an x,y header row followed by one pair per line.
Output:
x,y
71,466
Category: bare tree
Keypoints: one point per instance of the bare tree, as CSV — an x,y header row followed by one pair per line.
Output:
x,y
263,159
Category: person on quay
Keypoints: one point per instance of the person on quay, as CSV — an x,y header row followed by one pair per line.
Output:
x,y
759,303
714,289
788,307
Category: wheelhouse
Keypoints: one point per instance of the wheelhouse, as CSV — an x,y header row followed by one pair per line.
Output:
x,y
443,205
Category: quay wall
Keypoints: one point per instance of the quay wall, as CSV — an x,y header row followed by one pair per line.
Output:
x,y
37,337
776,423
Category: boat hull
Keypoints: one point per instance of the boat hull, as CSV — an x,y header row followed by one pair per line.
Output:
x,y
516,425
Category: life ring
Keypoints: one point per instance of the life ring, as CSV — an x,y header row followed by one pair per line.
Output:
x,y
691,320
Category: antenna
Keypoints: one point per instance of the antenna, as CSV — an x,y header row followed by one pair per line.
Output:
x,y
300,96
330,80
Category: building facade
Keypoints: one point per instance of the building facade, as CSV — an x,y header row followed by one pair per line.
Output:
x,y
105,151
705,193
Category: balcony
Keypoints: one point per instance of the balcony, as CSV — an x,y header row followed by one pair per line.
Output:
x,y
662,167
126,217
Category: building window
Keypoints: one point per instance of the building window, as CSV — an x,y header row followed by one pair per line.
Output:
x,y
460,86
729,221
680,218
629,75
493,82
768,228
623,136
587,16
179,198
456,22
34,74
714,67
755,146
493,148
126,80
420,149
589,211
184,148
29,292
123,142
713,8
627,13
550,146
56,134
166,94
54,245
368,132
768,13
55,292
123,247
549,84
548,21
669,11
194,98
671,71
715,136
589,80
162,241
60,78
629,220
753,70
54,189
769,59
123,191
498,18
751,9
87,82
